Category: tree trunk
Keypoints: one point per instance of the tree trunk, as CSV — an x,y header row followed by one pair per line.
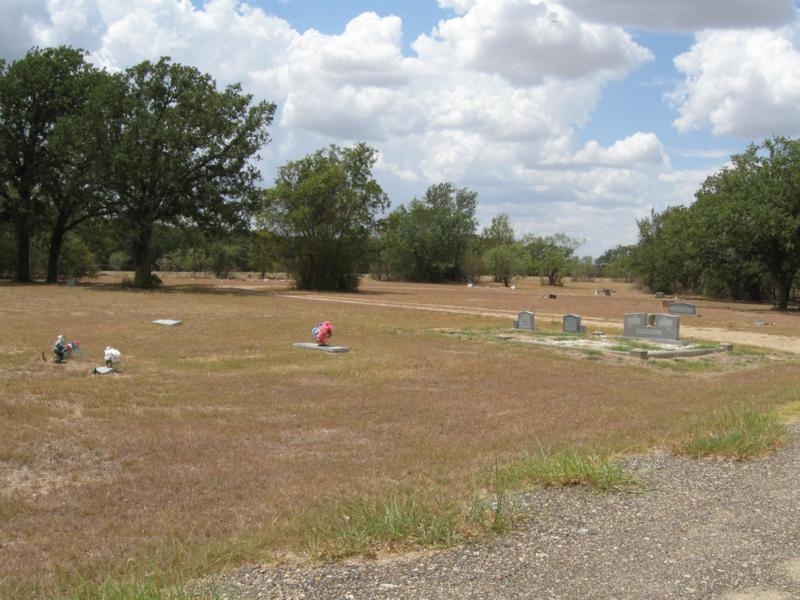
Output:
x,y
784,287
23,251
143,278
54,253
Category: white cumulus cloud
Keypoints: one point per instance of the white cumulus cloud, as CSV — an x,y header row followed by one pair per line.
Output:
x,y
741,83
527,41
492,99
686,15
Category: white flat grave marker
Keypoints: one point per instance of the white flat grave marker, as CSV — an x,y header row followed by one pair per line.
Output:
x,y
103,370
313,346
167,322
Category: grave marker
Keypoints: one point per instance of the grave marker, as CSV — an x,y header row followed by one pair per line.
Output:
x,y
524,321
167,322
330,349
572,324
652,326
682,308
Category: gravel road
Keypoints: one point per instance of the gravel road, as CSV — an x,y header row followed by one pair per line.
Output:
x,y
708,529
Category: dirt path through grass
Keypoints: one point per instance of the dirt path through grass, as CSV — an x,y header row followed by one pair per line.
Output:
x,y
782,343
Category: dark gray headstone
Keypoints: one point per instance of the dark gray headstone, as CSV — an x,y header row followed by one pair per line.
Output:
x,y
682,308
652,326
572,324
524,320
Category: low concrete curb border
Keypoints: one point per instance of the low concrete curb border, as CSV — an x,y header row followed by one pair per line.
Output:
x,y
645,355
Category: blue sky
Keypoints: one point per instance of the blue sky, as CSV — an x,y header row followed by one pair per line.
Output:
x,y
574,116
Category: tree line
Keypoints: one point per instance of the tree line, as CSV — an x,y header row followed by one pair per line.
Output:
x,y
740,239
155,168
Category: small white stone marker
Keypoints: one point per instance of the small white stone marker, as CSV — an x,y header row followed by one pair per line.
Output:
x,y
312,346
167,322
103,370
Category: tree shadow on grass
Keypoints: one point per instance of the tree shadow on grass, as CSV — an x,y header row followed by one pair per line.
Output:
x,y
222,290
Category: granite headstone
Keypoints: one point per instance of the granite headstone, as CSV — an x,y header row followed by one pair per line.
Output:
x,y
652,326
572,324
524,320
682,308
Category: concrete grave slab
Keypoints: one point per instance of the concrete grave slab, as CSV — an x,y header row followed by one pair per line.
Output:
x,y
313,346
167,322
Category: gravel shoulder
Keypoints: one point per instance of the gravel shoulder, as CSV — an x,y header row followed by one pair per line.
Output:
x,y
707,529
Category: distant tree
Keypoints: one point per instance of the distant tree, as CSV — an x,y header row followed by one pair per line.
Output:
x,y
550,256
118,260
499,232
223,258
666,256
195,260
264,252
617,262
753,208
432,239
582,269
40,156
177,151
324,208
505,261
455,218
76,260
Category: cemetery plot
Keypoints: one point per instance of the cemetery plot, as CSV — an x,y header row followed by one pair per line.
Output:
x,y
615,349
220,438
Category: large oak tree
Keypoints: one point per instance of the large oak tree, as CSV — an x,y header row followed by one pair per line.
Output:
x,y
43,174
177,150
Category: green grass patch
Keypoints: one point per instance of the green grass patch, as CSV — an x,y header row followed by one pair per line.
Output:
x,y
685,366
139,590
738,351
362,526
628,344
588,467
590,352
739,433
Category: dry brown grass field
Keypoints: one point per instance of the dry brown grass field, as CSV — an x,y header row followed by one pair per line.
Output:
x,y
217,439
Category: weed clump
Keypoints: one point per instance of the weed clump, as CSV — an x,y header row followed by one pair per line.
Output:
x,y
570,467
360,526
739,433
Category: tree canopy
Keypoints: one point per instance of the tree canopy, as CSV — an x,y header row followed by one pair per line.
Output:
x,y
177,151
431,239
44,175
323,208
740,238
